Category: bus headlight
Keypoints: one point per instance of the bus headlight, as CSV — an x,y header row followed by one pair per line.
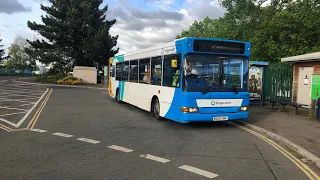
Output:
x,y
191,110
244,108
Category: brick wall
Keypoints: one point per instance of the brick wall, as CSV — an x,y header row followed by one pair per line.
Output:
x,y
316,70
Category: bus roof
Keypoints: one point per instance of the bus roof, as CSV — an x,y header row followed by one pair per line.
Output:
x,y
136,54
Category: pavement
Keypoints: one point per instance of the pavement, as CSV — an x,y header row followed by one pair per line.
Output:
x,y
298,129
81,133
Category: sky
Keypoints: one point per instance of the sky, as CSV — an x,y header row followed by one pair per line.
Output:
x,y
140,23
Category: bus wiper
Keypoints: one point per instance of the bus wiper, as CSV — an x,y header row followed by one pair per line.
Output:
x,y
207,89
233,86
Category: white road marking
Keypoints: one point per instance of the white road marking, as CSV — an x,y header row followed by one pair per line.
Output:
x,y
25,116
39,130
3,120
25,104
88,140
199,171
119,148
62,134
8,107
19,91
21,95
11,114
155,158
16,100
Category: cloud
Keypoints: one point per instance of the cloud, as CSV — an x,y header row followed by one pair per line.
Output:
x,y
140,23
139,28
162,4
12,6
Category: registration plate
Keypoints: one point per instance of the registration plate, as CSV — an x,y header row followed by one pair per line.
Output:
x,y
220,118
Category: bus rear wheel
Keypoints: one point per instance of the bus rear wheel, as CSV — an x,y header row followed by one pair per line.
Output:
x,y
156,109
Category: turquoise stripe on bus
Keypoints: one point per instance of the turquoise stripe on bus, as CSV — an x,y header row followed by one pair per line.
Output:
x,y
120,58
121,83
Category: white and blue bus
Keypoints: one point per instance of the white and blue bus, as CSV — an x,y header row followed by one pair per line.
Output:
x,y
190,79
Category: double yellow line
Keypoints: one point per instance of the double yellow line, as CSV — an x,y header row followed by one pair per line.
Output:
x,y
34,118
6,128
311,174
37,114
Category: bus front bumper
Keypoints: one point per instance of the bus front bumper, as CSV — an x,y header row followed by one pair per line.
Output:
x,y
197,117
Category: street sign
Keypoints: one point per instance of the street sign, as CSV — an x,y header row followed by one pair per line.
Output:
x,y
315,86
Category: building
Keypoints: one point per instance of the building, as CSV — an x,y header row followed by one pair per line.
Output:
x,y
303,68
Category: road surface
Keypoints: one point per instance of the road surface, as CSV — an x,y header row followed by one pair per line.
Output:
x,y
80,133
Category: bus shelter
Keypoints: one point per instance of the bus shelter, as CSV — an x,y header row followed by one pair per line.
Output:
x,y
256,75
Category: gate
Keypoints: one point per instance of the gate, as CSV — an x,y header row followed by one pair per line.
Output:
x,y
277,85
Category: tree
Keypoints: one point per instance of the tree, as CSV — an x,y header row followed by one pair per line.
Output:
x,y
1,52
18,58
76,32
280,29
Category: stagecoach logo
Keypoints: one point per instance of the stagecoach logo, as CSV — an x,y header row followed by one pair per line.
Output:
x,y
220,102
168,50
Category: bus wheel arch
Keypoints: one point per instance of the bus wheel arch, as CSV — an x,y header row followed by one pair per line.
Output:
x,y
155,107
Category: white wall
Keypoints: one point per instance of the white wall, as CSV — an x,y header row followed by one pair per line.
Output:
x,y
87,74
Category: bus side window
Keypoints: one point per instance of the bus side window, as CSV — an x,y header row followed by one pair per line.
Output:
x,y
144,71
171,75
125,71
133,71
156,70
119,71
112,69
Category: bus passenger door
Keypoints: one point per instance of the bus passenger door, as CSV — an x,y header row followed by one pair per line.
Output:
x,y
111,81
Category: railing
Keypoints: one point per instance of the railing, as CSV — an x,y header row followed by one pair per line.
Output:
x,y
15,72
277,85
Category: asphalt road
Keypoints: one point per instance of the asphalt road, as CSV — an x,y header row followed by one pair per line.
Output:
x,y
84,134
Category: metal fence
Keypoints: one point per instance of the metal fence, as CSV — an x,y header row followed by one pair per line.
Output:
x,y
15,72
278,79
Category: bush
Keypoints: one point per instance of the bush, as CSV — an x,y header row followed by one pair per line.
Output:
x,y
48,79
69,78
76,82
59,80
68,81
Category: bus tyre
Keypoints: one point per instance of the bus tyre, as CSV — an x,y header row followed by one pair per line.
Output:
x,y
118,96
156,109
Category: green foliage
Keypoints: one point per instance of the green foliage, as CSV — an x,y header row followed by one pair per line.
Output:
x,y
70,80
277,30
1,52
48,78
76,32
59,79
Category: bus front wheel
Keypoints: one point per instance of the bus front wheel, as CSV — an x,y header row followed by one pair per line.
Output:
x,y
156,109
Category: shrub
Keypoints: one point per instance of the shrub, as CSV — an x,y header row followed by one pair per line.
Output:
x,y
48,78
69,78
60,81
68,81
76,82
